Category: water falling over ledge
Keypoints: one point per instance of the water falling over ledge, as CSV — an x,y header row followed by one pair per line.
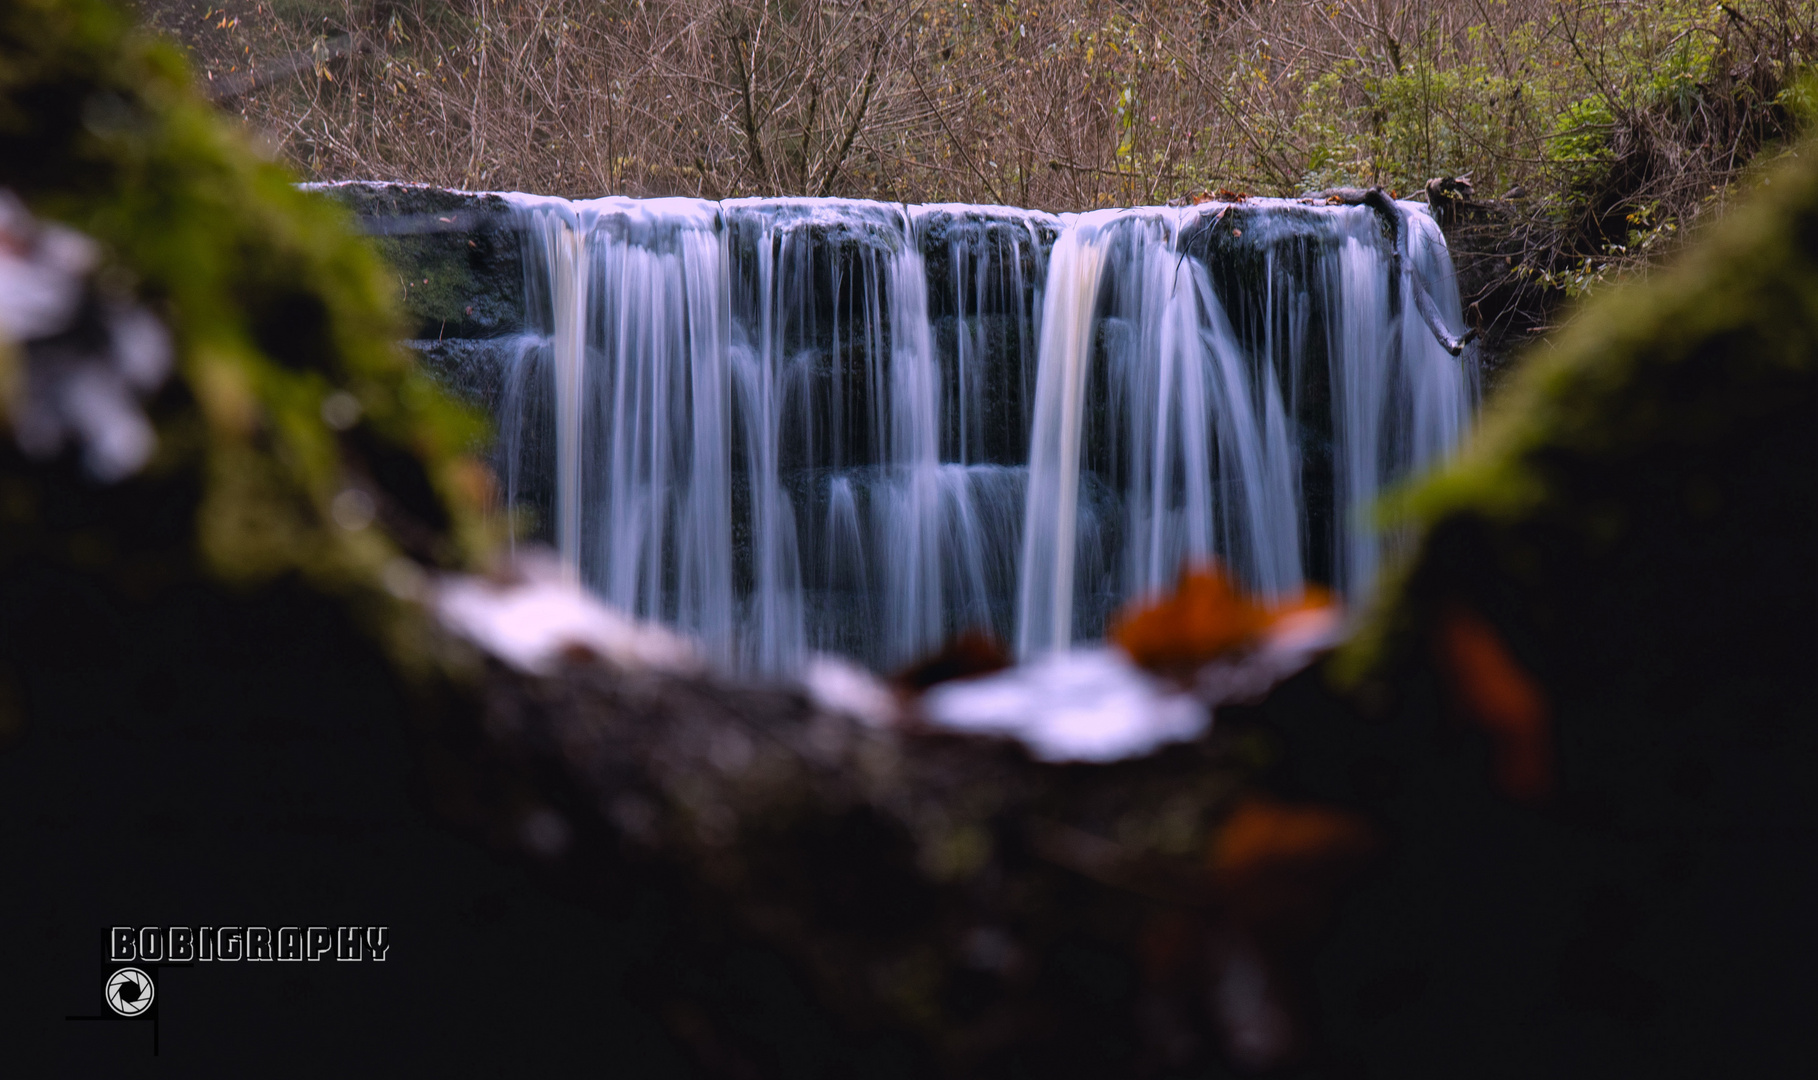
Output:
x,y
795,425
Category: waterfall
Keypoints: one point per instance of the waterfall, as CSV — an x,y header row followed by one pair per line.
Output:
x,y
1400,401
1051,518
796,425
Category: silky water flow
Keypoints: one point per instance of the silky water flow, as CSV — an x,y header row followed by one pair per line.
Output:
x,y
787,426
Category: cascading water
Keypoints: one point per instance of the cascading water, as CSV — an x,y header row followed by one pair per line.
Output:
x,y
796,425
1201,429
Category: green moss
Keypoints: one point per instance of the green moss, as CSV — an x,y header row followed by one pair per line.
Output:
x,y
1666,443
442,283
457,268
1636,523
273,306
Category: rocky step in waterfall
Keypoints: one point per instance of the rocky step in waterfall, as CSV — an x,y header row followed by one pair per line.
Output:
x,y
796,425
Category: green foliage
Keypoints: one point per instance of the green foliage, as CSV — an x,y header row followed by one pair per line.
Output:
x,y
1800,100
1580,141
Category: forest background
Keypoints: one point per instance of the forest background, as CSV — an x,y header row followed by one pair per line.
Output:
x,y
1595,133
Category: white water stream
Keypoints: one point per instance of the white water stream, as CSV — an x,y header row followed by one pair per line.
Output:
x,y
790,425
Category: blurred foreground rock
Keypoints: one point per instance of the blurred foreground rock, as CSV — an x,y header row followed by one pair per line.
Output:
x,y
1000,909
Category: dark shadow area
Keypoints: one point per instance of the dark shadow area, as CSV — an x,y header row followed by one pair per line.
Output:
x,y
218,761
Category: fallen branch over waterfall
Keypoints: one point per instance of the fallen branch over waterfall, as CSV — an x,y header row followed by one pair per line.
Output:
x,y
1379,200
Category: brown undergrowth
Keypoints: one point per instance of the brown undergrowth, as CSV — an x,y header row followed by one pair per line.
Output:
x,y
1594,134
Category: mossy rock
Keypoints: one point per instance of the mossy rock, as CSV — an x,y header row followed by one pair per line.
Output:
x,y
273,306
1635,531
1648,474
458,258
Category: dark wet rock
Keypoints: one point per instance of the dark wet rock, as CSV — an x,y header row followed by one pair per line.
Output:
x,y
458,257
1028,239
472,369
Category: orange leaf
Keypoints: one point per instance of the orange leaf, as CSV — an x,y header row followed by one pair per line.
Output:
x,y
1263,835
1491,688
1205,618
1275,865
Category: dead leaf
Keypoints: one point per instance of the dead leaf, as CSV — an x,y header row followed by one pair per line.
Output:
x,y
1306,844
1205,618
1495,693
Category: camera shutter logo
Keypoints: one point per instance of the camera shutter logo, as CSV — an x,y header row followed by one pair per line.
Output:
x,y
130,991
